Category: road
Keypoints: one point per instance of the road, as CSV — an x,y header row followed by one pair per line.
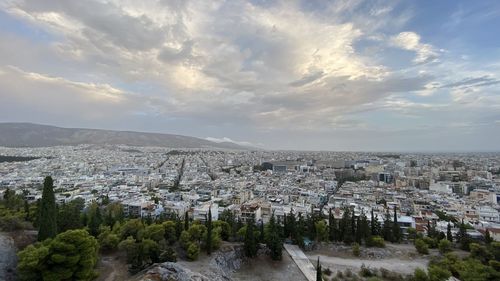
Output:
x,y
302,261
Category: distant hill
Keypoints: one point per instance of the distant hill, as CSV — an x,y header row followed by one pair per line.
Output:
x,y
36,135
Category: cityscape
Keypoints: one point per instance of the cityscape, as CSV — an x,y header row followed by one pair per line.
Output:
x,y
249,140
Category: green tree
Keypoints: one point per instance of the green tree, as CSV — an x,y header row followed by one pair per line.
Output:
x,y
250,243
420,275
108,241
332,227
208,241
462,237
321,231
319,273
374,224
273,239
170,232
48,211
71,255
155,232
387,227
396,229
94,219
132,227
69,215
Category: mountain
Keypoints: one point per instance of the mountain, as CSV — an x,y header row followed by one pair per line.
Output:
x,y
36,135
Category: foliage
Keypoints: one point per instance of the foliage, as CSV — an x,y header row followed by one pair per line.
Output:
x,y
420,275
273,239
321,231
71,255
421,247
250,242
375,241
108,240
193,251
48,211
356,251
69,215
444,246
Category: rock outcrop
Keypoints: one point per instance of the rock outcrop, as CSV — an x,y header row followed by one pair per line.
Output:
x,y
8,258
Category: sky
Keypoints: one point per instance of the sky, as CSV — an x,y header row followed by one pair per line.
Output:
x,y
301,75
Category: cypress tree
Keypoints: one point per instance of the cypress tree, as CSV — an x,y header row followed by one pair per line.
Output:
x,y
186,221
387,228
332,227
26,210
94,219
209,231
396,230
487,237
250,243
273,240
319,274
48,211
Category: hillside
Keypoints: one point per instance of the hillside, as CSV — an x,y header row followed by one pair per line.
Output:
x,y
36,135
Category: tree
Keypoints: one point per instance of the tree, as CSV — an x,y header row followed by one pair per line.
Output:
x,y
487,237
108,240
319,273
387,227
155,232
186,220
71,255
346,230
420,275
250,243
208,241
321,231
170,232
374,224
273,239
396,229
462,237
69,215
94,219
449,235
332,227
48,211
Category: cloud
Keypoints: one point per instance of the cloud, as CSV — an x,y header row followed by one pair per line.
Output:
x,y
411,41
226,139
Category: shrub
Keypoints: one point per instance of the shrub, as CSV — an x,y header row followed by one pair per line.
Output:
x,y
376,241
431,242
367,272
421,247
437,273
327,271
356,251
444,246
193,251
420,275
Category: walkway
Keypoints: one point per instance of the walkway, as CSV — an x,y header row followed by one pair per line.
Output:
x,y
302,261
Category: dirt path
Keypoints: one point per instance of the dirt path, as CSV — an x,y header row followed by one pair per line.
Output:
x,y
396,265
112,268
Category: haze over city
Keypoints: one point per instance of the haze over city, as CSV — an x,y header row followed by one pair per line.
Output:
x,y
301,75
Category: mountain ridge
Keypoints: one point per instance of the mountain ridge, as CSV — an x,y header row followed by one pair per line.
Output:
x,y
13,134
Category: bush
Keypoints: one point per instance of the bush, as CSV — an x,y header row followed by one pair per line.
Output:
x,y
420,275
193,251
437,273
376,241
421,247
356,251
444,246
327,271
431,242
367,272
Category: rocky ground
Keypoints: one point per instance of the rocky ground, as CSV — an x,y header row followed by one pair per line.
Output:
x,y
8,258
399,258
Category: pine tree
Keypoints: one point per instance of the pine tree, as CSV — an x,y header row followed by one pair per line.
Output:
x,y
462,237
374,224
208,242
396,229
346,233
449,235
365,228
48,211
359,231
319,274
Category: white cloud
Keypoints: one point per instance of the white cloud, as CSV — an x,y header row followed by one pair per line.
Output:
x,y
411,41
